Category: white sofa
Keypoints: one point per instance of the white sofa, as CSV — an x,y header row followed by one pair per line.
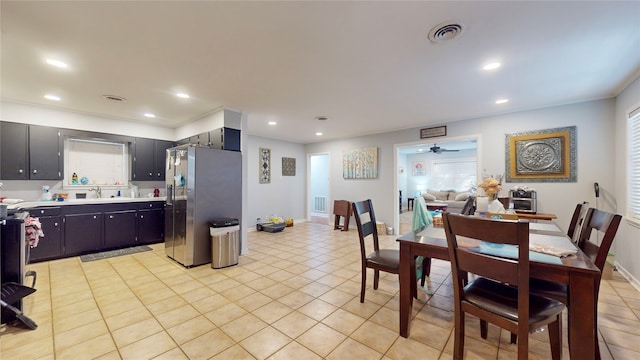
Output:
x,y
453,199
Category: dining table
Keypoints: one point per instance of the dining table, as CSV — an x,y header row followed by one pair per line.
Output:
x,y
577,271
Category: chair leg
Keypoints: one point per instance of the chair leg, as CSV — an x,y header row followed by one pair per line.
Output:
x,y
514,338
555,338
426,270
364,284
376,278
458,341
484,328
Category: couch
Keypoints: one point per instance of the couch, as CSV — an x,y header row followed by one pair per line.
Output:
x,y
453,199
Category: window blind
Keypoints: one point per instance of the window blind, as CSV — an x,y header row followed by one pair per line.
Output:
x,y
634,164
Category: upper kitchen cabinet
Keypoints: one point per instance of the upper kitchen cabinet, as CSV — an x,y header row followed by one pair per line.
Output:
x,y
30,152
225,139
149,159
45,160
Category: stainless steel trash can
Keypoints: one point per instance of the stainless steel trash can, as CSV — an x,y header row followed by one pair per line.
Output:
x,y
225,245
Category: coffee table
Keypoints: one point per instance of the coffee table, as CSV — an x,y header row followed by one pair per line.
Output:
x,y
436,206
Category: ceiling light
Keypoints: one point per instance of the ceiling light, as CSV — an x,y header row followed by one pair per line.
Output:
x,y
57,63
149,115
183,95
491,66
318,134
272,123
420,150
52,97
502,101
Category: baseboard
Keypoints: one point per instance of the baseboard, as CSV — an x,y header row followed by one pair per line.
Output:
x,y
627,275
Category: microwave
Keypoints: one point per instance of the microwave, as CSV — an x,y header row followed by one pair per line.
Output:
x,y
523,201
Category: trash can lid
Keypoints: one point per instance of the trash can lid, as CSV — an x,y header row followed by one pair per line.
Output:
x,y
223,222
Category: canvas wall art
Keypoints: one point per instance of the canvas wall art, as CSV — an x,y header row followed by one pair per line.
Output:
x,y
288,166
265,165
360,163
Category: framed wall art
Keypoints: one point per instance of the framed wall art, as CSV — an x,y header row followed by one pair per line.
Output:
x,y
265,165
288,166
418,168
433,132
360,163
541,156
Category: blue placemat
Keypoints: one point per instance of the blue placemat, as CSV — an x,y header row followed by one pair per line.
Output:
x,y
511,252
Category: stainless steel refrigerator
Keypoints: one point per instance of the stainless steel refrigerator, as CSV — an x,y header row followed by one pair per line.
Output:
x,y
202,184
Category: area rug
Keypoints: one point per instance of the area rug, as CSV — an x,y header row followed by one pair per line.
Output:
x,y
114,253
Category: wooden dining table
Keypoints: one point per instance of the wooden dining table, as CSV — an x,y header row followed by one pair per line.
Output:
x,y
577,271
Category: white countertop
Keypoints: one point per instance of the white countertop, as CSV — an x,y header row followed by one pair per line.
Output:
x,y
110,200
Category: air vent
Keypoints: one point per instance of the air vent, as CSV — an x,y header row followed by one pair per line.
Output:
x,y
445,32
114,98
322,118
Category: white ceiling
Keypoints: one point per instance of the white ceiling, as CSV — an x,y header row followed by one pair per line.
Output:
x,y
367,66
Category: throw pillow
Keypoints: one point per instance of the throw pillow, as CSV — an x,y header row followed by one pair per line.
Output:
x,y
440,195
428,197
462,196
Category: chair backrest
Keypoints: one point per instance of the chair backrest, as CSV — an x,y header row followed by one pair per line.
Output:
x,y
465,260
576,221
421,216
606,224
366,223
468,208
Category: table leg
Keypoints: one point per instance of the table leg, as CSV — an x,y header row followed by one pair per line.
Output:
x,y
583,316
406,299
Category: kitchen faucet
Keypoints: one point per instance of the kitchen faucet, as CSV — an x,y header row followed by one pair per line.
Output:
x,y
98,191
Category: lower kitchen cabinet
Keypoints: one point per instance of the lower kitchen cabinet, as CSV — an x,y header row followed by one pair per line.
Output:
x,y
71,230
120,229
82,233
151,223
49,246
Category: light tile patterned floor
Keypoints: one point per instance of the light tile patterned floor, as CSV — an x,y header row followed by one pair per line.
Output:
x,y
294,296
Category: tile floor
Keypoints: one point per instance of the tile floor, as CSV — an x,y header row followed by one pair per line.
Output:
x,y
294,296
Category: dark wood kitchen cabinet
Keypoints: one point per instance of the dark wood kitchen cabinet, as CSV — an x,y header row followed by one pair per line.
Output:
x,y
151,223
30,152
82,233
45,148
120,229
15,151
149,159
50,245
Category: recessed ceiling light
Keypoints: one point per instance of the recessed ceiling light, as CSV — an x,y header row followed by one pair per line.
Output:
x,y
183,95
502,101
149,115
52,97
57,63
491,66
318,134
420,150
272,123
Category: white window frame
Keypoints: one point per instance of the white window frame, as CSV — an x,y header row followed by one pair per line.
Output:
x,y
633,164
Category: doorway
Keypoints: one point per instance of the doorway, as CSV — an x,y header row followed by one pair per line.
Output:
x,y
318,184
415,170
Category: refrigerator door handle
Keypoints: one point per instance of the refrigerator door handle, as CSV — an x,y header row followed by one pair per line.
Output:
x,y
169,194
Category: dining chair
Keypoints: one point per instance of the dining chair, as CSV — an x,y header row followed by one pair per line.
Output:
x,y
468,208
500,292
387,260
576,220
422,217
606,225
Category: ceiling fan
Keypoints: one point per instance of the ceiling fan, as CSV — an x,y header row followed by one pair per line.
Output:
x,y
438,150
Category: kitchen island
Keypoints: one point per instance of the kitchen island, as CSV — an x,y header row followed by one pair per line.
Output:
x,y
83,226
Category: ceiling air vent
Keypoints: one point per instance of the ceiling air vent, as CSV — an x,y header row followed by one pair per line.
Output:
x,y
445,32
115,98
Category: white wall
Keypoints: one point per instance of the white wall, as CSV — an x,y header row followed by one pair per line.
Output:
x,y
626,247
427,158
595,136
285,195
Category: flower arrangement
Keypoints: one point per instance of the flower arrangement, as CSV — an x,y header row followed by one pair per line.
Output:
x,y
491,186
